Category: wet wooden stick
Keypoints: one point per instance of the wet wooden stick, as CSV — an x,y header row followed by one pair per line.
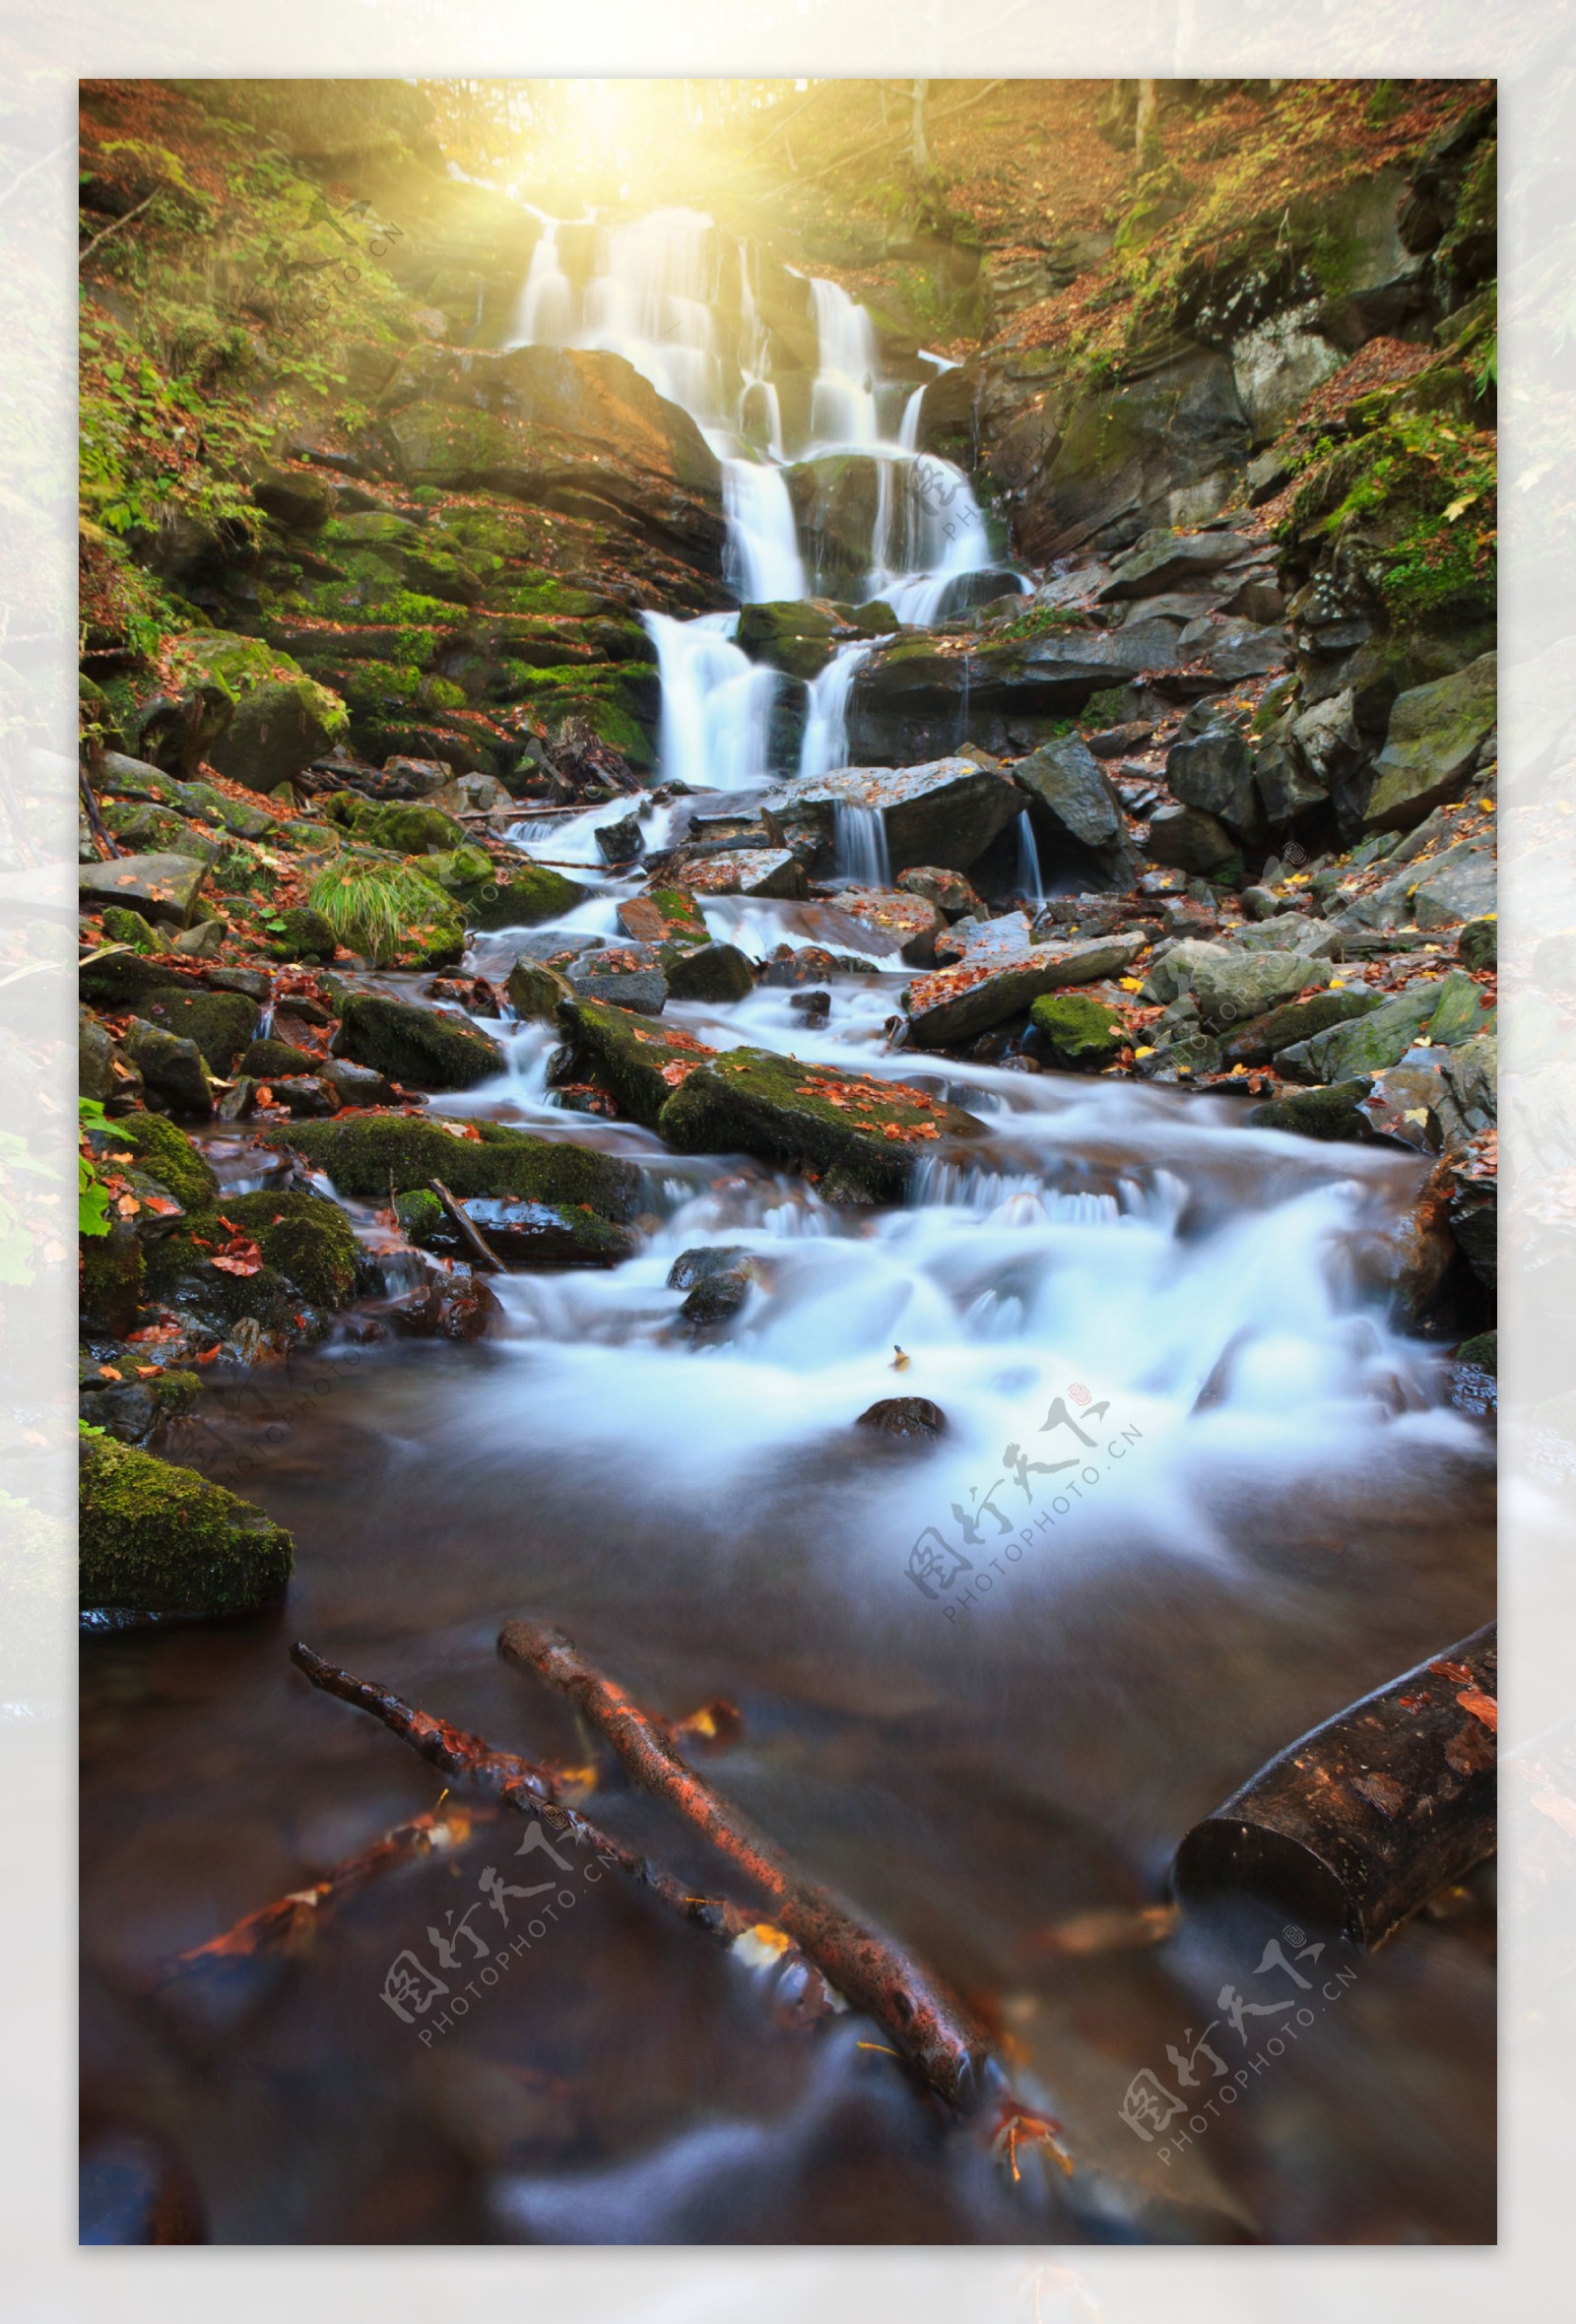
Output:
x,y
928,2025
531,1789
474,1242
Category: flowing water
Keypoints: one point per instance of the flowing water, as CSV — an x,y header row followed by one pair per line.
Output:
x,y
1208,1492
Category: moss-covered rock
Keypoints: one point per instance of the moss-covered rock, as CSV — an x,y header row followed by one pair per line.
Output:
x,y
266,1058
309,1262
796,637
169,1155
521,1233
1297,1020
664,916
221,1024
389,913
1078,1029
707,972
536,991
300,933
157,1540
496,895
279,720
638,1062
1479,942
123,927
429,1048
1329,1113
364,1154
870,1133
405,828
109,1282
170,1066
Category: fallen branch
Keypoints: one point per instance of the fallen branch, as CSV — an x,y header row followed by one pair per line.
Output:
x,y
930,2026
283,1925
96,821
530,1789
1367,1815
474,1242
115,227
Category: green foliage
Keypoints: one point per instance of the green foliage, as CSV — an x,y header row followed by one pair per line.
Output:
x,y
1419,493
382,909
92,1194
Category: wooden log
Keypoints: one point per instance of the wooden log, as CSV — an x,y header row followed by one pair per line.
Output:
x,y
471,1235
1364,1817
928,2025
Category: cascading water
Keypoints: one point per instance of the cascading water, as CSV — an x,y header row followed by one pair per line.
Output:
x,y
656,297
859,846
826,738
1030,882
715,732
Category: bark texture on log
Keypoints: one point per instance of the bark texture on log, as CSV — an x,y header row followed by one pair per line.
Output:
x,y
930,2025
1364,1817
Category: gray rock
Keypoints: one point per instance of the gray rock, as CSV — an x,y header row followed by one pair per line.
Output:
x,y
161,886
1067,780
620,842
1472,1071
1436,733
943,814
170,1064
746,871
1244,649
630,976
1288,785
1190,838
1365,1044
1229,985
956,1004
1463,889
1215,771
1177,557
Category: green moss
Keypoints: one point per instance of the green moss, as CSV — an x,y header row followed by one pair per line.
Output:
x,y
364,1153
426,1047
1414,501
1297,1020
129,928
266,1061
1078,1029
219,1023
1104,709
420,1215
300,933
523,897
155,1538
169,1155
110,1283
1326,1114
406,829
307,1246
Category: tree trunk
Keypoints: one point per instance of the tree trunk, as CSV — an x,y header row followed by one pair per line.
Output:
x,y
919,151
1147,136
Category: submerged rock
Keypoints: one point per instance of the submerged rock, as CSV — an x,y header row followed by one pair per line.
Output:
x,y
718,1297
905,1420
455,1306
157,1540
520,1232
630,976
1330,1113
708,972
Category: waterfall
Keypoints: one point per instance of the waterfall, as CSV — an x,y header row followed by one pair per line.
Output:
x,y
826,742
715,732
842,404
1029,881
762,560
858,845
544,315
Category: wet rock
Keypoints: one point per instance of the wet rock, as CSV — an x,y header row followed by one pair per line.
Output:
x,y
796,638
307,1095
911,1420
746,871
520,894
711,972
1190,838
870,1133
638,1062
536,991
815,1007
1215,771
1264,1037
1170,559
1473,1208
353,1084
622,842
716,1298
1330,1113
301,934
453,1306
1479,942
1473,1377
162,886
365,1154
943,814
1076,801
1076,1029
1436,733
808,964
905,922
264,1058
432,1049
630,976
158,1540
956,1004
705,1261
663,916
173,1067
524,1233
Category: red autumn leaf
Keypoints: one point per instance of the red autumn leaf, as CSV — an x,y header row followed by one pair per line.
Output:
x,y
1481,1707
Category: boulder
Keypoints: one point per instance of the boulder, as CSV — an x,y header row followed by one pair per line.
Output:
x,y
663,915
717,1298
1076,800
1435,736
1245,649
1190,838
1461,885
1172,560
1331,1113
956,1004
1076,1029
1479,942
221,1024
161,886
1264,1037
796,638
300,933
1365,1044
365,1154
950,891
536,991
278,721
706,1260
630,976
157,1540
521,1232
170,1064
1231,987
708,972
902,923
169,1155
430,1048
1215,771
943,814
638,1062
746,871
911,1420
863,1138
